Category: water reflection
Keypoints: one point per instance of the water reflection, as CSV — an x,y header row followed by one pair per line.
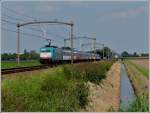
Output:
x,y
127,92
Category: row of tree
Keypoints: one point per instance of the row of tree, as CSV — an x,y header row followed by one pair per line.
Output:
x,y
104,52
32,55
126,54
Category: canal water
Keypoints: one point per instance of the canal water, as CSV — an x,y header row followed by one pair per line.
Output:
x,y
127,92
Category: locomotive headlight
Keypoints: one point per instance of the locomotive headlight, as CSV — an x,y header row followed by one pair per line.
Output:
x,y
45,55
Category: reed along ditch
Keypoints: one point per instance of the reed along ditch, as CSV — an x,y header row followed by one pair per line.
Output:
x,y
127,93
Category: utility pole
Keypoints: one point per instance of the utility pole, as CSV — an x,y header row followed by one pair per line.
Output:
x,y
71,39
64,43
40,22
109,53
82,47
94,46
18,44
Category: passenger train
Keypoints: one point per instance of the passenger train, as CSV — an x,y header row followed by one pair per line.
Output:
x,y
54,55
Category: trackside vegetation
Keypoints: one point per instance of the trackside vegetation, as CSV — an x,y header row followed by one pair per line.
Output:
x,y
59,89
140,104
13,64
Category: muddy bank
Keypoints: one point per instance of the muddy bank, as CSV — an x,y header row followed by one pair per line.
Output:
x,y
106,95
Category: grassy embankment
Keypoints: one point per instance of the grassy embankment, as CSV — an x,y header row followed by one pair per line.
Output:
x,y
59,89
139,79
13,64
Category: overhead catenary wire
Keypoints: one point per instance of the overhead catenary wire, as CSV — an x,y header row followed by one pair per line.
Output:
x,y
14,23
13,18
18,13
36,20
27,16
27,34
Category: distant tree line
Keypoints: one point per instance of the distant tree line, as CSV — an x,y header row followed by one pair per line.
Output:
x,y
32,55
106,52
135,54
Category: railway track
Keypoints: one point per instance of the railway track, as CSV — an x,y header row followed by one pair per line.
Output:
x,y
23,69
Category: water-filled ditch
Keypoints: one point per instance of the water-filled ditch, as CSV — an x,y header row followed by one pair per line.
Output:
x,y
127,92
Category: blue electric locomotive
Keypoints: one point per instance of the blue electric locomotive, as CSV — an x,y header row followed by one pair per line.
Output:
x,y
52,54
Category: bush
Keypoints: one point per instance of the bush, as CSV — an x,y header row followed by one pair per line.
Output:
x,y
141,104
49,92
82,94
93,72
60,89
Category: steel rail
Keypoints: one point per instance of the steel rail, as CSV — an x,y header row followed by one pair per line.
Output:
x,y
23,69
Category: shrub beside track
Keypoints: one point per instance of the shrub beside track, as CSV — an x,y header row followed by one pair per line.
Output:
x,y
59,89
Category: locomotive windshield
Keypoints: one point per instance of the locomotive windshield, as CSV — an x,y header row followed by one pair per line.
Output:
x,y
45,50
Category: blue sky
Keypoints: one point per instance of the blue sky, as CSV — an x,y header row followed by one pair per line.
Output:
x,y
119,25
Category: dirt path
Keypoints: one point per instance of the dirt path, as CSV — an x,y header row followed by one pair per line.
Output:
x,y
106,96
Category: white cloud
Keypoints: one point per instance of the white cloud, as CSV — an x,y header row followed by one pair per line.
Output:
x,y
125,14
128,13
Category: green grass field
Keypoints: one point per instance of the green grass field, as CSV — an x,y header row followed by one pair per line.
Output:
x,y
13,64
58,89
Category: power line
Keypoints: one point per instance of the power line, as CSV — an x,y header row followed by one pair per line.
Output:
x,y
18,13
34,19
14,23
10,22
14,18
27,34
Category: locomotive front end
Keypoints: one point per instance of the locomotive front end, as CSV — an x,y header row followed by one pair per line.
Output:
x,y
46,55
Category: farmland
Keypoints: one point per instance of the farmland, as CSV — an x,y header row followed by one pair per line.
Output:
x,y
44,91
142,65
139,79
141,62
13,64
